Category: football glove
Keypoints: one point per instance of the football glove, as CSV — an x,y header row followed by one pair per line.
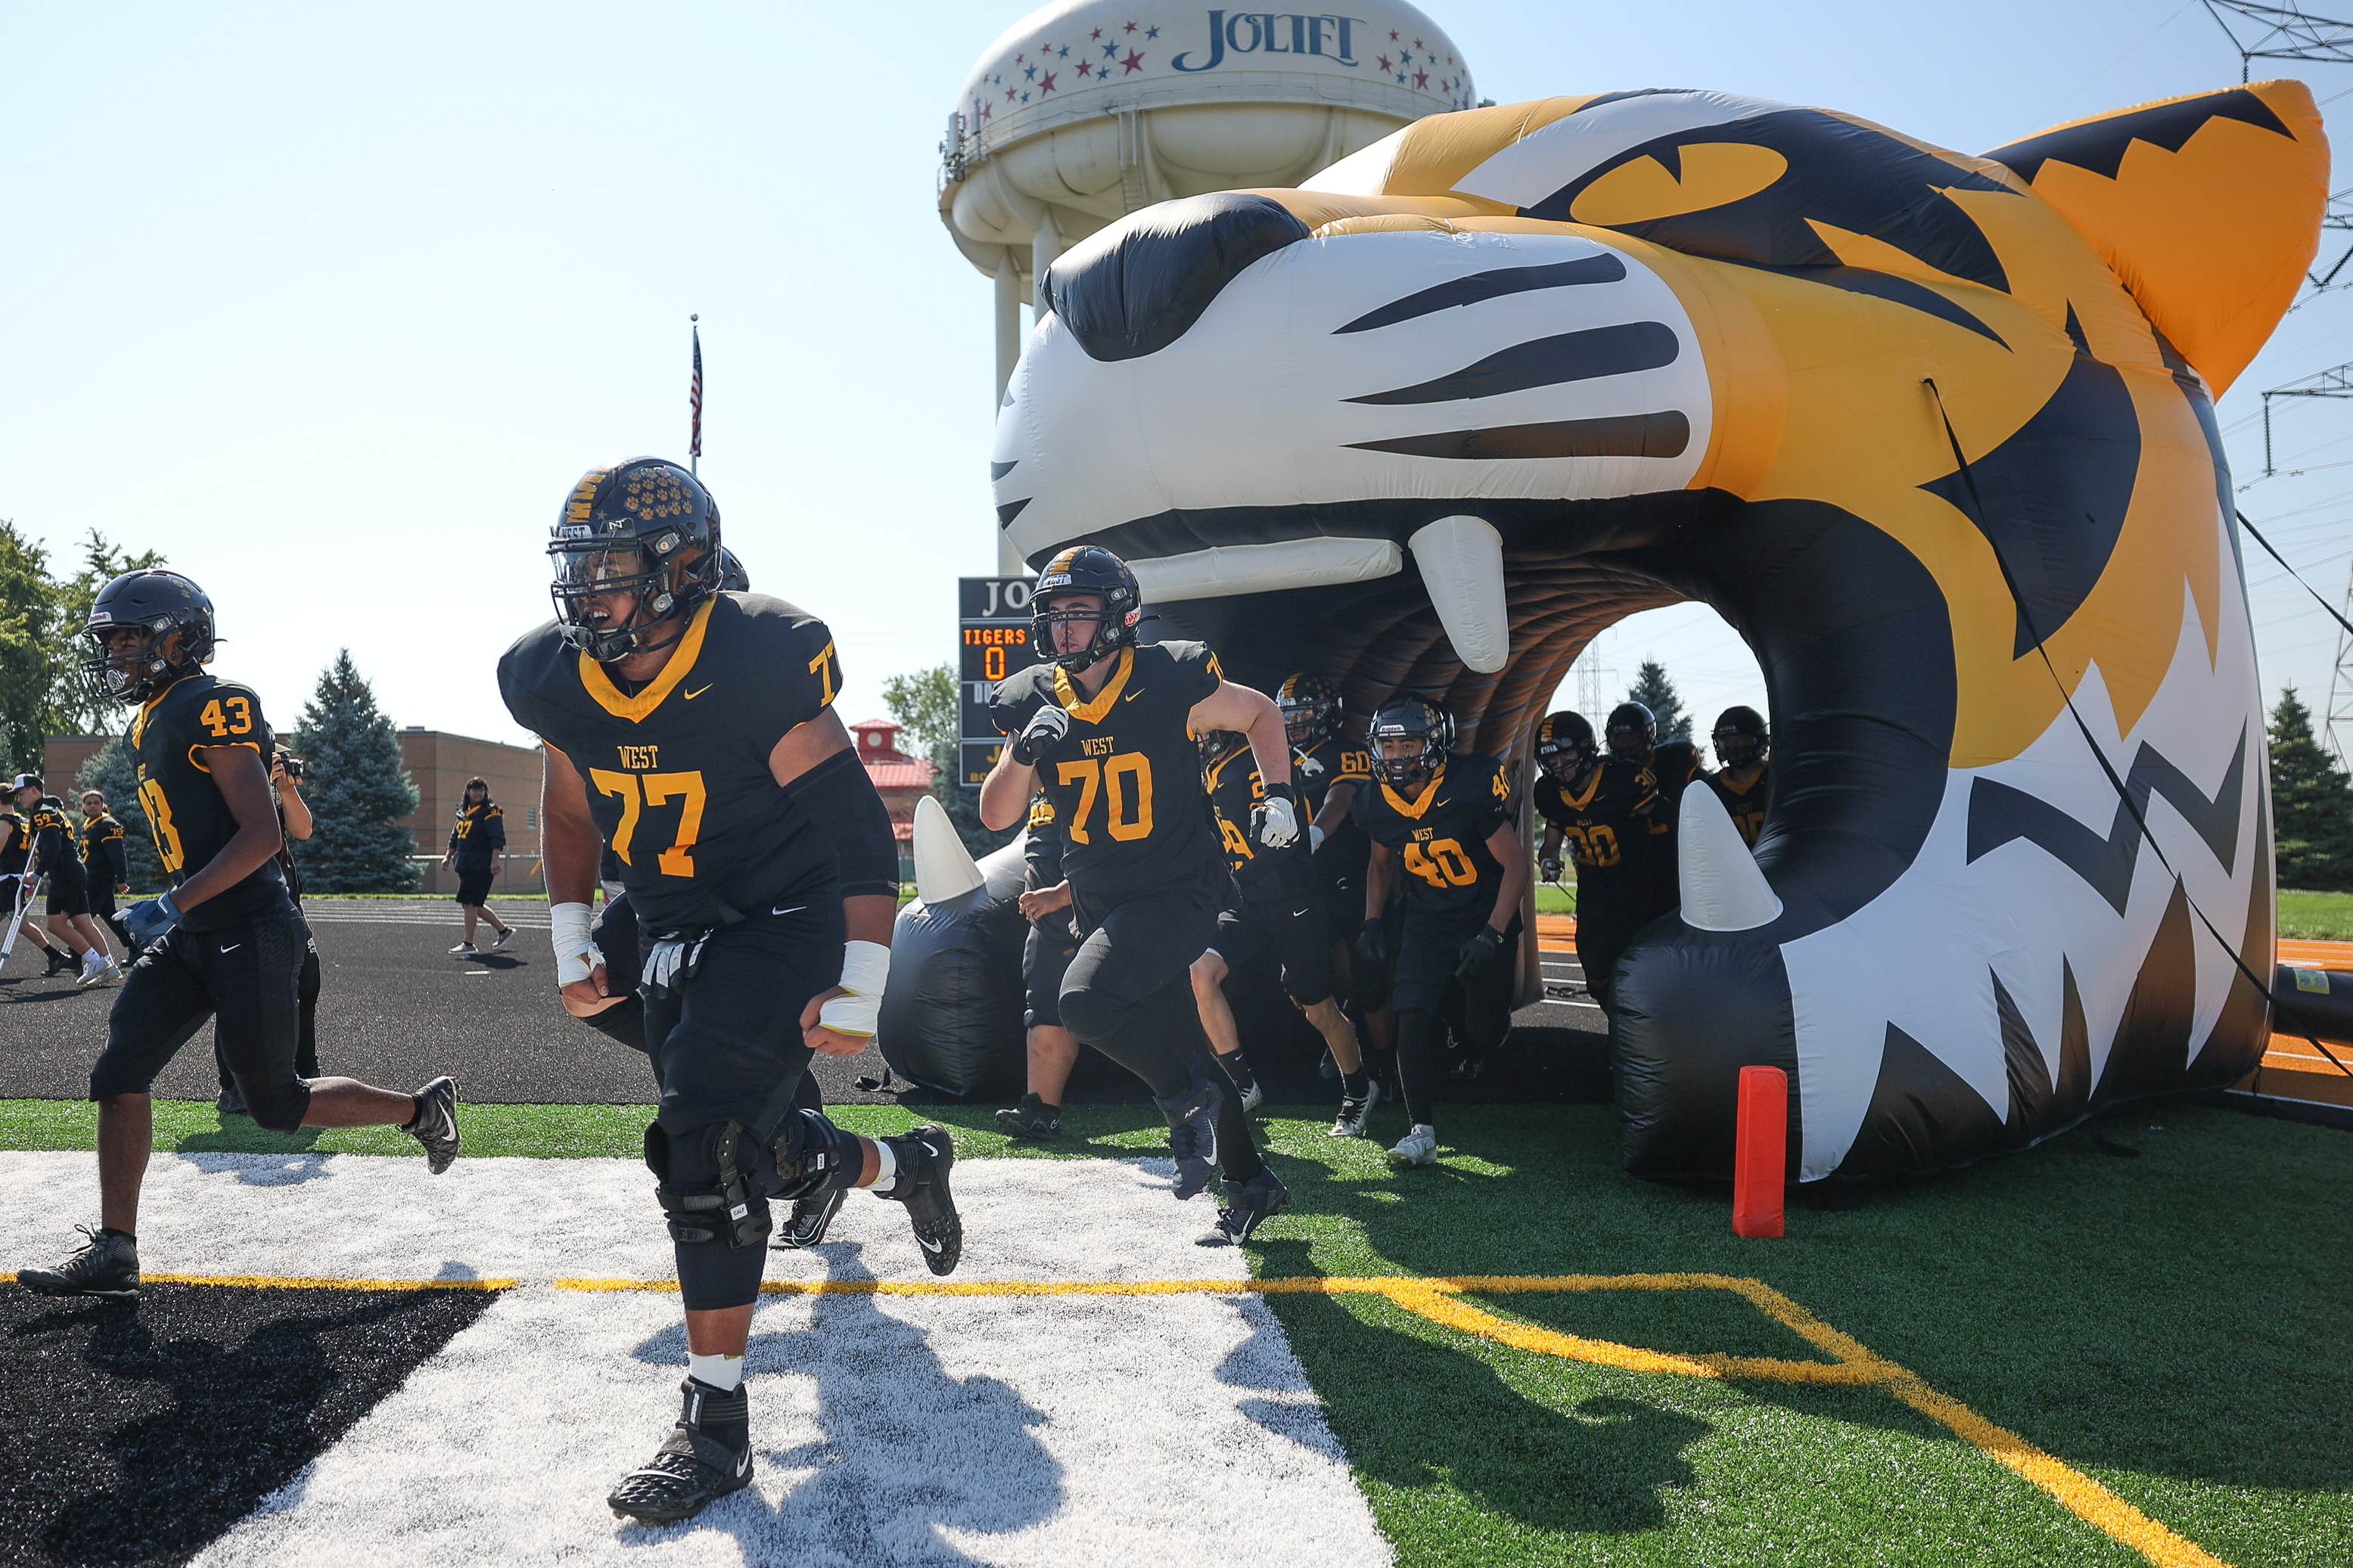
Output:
x,y
148,919
1276,819
1372,945
1551,868
1477,956
1046,726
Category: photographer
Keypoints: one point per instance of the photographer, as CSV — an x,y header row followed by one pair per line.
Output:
x,y
476,845
293,822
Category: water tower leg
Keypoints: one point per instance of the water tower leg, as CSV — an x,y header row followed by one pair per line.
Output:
x,y
1008,353
1044,246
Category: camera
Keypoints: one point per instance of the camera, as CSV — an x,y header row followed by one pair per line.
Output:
x,y
291,763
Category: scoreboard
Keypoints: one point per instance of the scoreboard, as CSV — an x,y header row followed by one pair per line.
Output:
x,y
992,642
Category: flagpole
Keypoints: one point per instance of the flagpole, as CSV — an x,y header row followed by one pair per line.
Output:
x,y
694,403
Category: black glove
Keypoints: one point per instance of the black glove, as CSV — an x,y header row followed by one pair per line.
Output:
x,y
1473,957
1550,868
1046,726
1372,945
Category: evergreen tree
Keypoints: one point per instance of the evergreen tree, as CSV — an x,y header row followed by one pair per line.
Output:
x,y
1654,691
102,563
31,651
2312,804
357,790
925,705
113,775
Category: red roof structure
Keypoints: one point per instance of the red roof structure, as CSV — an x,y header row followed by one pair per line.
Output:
x,y
899,779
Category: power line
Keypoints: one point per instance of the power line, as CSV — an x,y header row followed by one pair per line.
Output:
x,y
2282,33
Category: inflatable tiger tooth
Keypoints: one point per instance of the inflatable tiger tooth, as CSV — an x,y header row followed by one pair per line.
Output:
x,y
1933,433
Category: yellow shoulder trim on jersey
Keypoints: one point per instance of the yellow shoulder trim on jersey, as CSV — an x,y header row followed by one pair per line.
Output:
x,y
139,725
1723,776
1094,713
1581,801
636,709
1429,794
197,762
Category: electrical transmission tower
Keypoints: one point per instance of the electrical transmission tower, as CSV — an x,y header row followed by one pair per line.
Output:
x,y
2282,33
2340,684
2335,382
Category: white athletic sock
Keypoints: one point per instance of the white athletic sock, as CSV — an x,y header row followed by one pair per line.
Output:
x,y
886,1173
723,1373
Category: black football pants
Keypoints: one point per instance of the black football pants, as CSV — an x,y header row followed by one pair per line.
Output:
x,y
247,976
306,1039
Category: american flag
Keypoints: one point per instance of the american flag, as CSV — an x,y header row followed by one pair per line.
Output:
x,y
694,398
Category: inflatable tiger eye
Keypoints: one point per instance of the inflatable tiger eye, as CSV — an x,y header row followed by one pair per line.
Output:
x,y
1933,433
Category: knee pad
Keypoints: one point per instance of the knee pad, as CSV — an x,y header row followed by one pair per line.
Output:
x,y
1091,1015
711,1183
812,1156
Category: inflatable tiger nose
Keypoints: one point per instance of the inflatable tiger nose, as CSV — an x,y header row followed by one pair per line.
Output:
x,y
1933,433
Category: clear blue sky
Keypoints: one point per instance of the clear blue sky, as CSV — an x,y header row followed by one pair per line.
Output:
x,y
331,304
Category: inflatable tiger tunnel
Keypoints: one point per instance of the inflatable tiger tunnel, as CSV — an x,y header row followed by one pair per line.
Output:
x,y
1933,433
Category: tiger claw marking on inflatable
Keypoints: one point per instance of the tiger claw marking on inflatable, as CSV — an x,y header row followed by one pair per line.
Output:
x,y
1512,373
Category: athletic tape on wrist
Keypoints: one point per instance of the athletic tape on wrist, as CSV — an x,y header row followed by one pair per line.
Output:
x,y
576,957
865,971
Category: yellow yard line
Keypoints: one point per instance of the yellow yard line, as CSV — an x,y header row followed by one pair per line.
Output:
x,y
312,1282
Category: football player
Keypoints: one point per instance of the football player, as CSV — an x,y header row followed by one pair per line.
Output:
x,y
1328,767
1278,908
224,941
692,728
1046,952
105,866
1740,780
1105,727
57,855
1602,808
15,887
1445,823
1634,736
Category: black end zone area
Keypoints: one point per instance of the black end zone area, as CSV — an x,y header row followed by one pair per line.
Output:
x,y
137,1434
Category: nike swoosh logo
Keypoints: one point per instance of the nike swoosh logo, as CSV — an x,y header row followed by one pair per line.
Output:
x,y
931,1245
697,692
232,947
789,909
1131,697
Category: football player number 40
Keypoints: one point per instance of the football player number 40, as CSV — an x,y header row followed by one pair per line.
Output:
x,y
1440,863
1122,782
638,791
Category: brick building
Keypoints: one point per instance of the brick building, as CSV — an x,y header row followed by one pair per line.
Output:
x,y
899,779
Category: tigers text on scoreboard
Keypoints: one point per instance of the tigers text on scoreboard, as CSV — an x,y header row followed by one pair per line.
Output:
x,y
992,642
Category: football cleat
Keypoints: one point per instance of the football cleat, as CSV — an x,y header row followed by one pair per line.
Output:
x,y
1355,1110
1418,1147
107,1265
707,1455
1246,1204
435,1125
925,1156
60,962
810,1216
1193,1134
230,1102
1033,1118
1253,1094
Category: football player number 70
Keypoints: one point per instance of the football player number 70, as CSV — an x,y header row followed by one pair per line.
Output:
x,y
1125,780
637,790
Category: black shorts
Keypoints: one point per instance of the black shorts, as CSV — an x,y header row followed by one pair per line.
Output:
x,y
1298,935
474,886
1046,954
246,975
1426,955
69,894
101,896
726,1038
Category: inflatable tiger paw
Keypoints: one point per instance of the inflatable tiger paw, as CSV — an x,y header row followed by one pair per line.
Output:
x,y
1933,433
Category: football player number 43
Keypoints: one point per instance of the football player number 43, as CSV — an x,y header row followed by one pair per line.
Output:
x,y
1124,785
638,791
159,819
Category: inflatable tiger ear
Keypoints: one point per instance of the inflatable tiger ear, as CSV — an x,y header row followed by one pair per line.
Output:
x,y
1935,433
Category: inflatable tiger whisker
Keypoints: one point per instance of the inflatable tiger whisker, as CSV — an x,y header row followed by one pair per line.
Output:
x,y
1513,374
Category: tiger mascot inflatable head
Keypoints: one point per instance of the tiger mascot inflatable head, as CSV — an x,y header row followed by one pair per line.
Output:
x,y
1933,433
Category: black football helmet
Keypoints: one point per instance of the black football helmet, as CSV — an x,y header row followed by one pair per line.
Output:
x,y
1086,569
169,625
732,578
1565,746
1311,707
1216,744
645,529
1410,718
1633,732
1740,737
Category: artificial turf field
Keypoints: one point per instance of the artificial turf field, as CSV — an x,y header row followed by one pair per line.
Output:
x,y
2176,1330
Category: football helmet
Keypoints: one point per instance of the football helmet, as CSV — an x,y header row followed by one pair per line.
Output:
x,y
1405,718
1311,707
1740,737
732,578
1565,746
171,620
1215,744
1633,732
1086,569
644,531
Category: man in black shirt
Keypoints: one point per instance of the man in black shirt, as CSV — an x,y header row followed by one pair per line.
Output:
x,y
16,888
105,865
57,855
224,941
1051,942
1105,728
1741,781
1444,822
693,730
476,843
1603,810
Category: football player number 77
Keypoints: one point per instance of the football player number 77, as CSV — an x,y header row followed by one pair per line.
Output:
x,y
638,791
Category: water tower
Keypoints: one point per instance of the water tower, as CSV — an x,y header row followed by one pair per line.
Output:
x,y
1087,109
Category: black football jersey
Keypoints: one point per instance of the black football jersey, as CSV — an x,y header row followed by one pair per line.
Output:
x,y
677,773
19,848
1676,765
1314,771
1606,825
1126,778
186,814
1263,875
55,842
480,832
1744,801
1439,834
101,849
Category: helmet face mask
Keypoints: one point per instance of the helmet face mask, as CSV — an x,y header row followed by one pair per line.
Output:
x,y
1409,737
1740,738
1311,707
1216,744
146,630
1086,571
1633,732
636,548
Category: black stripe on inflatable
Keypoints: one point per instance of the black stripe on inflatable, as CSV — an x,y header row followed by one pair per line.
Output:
x,y
1888,286
1548,361
1604,268
1662,434
2100,145
998,470
1011,509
